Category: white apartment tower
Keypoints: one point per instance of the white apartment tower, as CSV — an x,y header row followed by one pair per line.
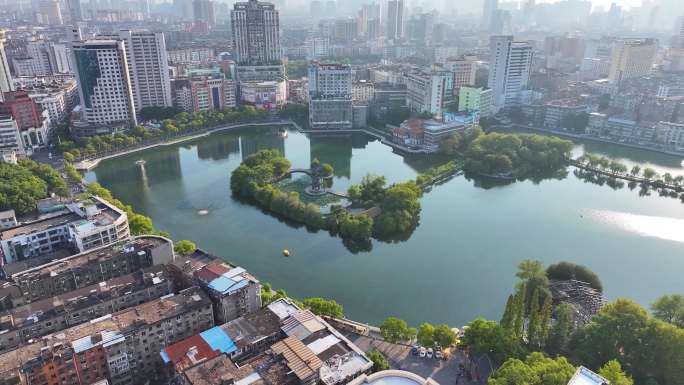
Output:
x,y
104,83
256,36
330,96
509,70
148,67
631,58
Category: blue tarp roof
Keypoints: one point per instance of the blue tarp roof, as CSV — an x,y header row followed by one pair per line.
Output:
x,y
165,357
217,339
224,284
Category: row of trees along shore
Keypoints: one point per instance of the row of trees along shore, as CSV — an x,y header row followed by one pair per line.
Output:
x,y
171,124
537,342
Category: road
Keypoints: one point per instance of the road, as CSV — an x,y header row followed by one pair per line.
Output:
x,y
445,372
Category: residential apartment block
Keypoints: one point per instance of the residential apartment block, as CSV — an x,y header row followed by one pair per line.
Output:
x,y
510,65
122,348
89,268
232,289
330,96
79,226
50,315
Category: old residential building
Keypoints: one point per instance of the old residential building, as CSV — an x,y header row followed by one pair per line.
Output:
x,y
85,269
122,348
233,290
80,226
51,315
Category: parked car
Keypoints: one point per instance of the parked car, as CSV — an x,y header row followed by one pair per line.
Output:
x,y
414,350
429,353
421,353
438,354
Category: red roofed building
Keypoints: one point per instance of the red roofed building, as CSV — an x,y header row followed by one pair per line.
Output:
x,y
410,133
189,352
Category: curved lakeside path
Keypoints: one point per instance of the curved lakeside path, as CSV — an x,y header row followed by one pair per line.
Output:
x,y
89,164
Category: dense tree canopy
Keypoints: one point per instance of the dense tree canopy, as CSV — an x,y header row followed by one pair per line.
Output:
x,y
612,371
670,309
537,369
487,337
649,349
321,306
27,182
379,361
564,271
185,247
396,330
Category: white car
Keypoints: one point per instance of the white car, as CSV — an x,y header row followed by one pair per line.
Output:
x,y
438,354
421,352
429,353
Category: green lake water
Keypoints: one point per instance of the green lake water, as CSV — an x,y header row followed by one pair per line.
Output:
x,y
460,261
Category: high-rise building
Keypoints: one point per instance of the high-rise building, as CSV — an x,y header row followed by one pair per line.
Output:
x,y
148,65
500,22
74,9
395,20
488,7
426,91
631,58
49,12
6,83
330,96
203,10
510,63
256,36
104,84
42,58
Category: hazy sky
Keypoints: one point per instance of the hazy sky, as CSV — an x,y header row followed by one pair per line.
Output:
x,y
606,3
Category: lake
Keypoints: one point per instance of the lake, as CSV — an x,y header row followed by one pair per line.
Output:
x,y
460,261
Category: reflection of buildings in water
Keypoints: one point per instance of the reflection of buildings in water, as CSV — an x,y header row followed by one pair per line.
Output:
x,y
221,148
335,149
273,140
163,165
360,140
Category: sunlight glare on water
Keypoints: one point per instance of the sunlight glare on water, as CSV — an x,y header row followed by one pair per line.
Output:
x,y
649,226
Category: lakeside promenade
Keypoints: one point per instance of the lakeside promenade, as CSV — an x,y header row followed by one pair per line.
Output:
x,y
89,163
571,135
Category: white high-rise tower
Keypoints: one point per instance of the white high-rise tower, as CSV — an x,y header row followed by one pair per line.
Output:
x,y
510,64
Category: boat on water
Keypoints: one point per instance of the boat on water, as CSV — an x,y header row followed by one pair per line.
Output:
x,y
286,253
140,162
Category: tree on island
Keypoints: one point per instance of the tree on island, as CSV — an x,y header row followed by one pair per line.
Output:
x,y
564,271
